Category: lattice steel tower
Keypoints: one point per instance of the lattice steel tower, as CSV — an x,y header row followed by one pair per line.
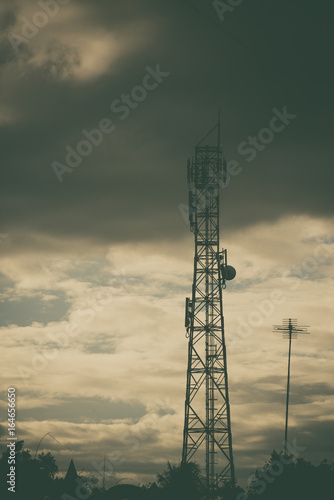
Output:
x,y
207,427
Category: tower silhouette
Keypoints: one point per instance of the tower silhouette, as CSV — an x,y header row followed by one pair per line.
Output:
x,y
207,436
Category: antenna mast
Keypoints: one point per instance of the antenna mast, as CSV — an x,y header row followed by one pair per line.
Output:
x,y
290,331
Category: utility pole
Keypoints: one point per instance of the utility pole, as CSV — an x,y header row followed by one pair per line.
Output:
x,y
290,331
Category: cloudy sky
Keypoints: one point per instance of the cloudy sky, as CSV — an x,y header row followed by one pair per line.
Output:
x,y
95,252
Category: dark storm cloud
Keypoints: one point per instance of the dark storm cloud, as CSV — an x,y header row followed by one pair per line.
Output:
x,y
81,409
272,390
7,20
262,56
23,311
5,282
90,409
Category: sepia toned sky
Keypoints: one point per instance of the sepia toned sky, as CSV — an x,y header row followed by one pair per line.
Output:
x,y
96,255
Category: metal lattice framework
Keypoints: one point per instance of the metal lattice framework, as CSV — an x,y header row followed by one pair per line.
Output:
x,y
207,427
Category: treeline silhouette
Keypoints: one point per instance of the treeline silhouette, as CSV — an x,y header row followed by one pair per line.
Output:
x,y
281,477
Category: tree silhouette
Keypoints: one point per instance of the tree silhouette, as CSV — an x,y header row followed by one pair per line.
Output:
x,y
181,482
284,476
229,492
34,477
48,465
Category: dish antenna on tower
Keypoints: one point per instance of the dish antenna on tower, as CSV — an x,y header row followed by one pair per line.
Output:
x,y
228,273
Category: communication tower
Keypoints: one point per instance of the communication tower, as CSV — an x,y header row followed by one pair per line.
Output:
x,y
207,434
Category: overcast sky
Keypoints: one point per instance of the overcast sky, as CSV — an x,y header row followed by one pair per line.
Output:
x,y
96,255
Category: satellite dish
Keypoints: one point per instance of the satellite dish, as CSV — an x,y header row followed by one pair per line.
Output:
x,y
228,272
